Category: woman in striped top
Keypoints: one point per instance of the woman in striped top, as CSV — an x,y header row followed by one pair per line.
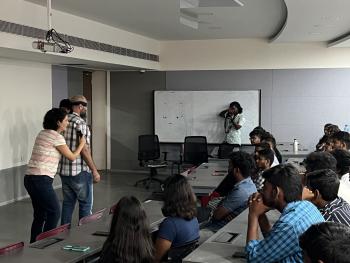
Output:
x,y
48,147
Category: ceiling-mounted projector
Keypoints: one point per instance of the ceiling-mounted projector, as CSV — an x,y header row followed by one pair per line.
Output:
x,y
46,46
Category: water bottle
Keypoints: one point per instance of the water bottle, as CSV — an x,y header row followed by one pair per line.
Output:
x,y
295,146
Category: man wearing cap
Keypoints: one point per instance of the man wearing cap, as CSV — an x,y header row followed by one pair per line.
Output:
x,y
77,176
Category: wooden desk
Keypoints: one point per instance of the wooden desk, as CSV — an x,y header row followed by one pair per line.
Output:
x,y
214,252
202,180
81,236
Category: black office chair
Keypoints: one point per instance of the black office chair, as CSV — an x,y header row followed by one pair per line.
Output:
x,y
148,156
195,150
226,149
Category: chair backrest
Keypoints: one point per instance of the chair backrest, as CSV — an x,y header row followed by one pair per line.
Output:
x,y
195,150
148,148
226,149
91,218
11,247
176,254
53,232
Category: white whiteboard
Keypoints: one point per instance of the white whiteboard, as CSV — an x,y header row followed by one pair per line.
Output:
x,y
178,114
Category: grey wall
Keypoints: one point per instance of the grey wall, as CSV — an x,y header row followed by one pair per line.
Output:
x,y
131,113
59,84
75,81
66,82
294,103
226,80
303,100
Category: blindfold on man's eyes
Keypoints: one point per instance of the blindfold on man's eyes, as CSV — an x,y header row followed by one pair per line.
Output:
x,y
80,102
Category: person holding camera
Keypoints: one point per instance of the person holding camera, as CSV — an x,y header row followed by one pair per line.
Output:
x,y
234,121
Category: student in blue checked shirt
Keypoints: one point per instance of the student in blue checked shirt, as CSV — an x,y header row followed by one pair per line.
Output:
x,y
282,191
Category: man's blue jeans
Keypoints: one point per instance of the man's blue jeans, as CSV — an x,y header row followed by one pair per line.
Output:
x,y
75,188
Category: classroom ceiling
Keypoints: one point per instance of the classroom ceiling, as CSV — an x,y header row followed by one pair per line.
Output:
x,y
275,20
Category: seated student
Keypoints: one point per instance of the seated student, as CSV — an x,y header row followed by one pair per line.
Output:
x,y
256,134
328,147
241,169
180,227
228,182
320,160
325,160
264,159
129,239
324,185
265,145
324,143
326,242
268,138
282,191
341,140
343,168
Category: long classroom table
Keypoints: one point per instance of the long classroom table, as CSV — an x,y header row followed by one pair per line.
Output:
x,y
286,150
202,179
214,252
82,236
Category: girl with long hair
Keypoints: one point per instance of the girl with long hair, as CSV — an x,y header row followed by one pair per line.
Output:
x,y
180,227
129,239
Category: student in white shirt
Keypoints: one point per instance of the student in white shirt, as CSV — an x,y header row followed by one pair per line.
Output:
x,y
234,121
343,168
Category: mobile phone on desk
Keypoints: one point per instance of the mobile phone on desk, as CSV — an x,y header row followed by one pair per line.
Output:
x,y
76,248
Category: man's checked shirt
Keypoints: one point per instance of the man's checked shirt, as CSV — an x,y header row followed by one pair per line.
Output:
x,y
337,211
281,244
258,180
76,125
